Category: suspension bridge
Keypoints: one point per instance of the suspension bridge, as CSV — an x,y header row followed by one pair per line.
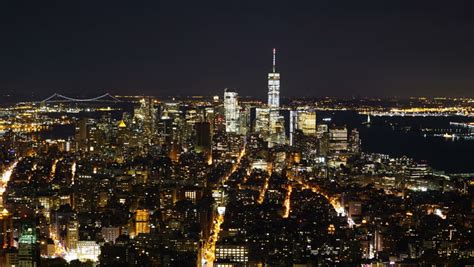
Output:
x,y
61,98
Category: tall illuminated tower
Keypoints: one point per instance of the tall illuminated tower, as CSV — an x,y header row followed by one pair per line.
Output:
x,y
231,110
274,85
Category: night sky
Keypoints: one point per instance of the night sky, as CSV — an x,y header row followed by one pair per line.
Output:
x,y
325,47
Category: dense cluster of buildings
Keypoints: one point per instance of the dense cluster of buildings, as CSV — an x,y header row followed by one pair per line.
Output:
x,y
221,182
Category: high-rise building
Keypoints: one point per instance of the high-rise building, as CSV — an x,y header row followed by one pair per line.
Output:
x,y
293,125
288,118
10,256
203,141
274,85
72,235
277,128
321,129
262,121
244,120
307,121
355,141
122,134
203,136
6,228
60,219
146,116
27,248
81,134
417,170
338,140
231,110
276,121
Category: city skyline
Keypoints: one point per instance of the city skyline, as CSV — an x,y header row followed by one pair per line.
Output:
x,y
142,181
325,49
236,134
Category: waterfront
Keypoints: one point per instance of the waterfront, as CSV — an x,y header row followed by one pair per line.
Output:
x,y
398,136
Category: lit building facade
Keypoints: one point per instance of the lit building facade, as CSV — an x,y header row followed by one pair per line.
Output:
x,y
274,86
262,120
276,121
146,117
27,248
293,125
307,121
228,254
110,234
72,235
231,110
142,222
88,251
338,140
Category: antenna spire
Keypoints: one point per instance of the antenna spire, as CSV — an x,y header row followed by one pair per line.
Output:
x,y
274,59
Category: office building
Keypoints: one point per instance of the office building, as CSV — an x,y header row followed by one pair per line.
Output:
x,y
6,228
203,138
338,140
27,248
231,111
307,121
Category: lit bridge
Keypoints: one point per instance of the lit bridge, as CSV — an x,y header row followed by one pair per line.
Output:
x,y
61,98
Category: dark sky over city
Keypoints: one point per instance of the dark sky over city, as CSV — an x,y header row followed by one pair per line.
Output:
x,y
325,47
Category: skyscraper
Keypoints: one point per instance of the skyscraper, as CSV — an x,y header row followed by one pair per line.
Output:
x,y
81,134
274,85
203,137
145,115
27,248
6,228
231,110
292,125
203,140
262,121
72,235
338,140
276,121
307,121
